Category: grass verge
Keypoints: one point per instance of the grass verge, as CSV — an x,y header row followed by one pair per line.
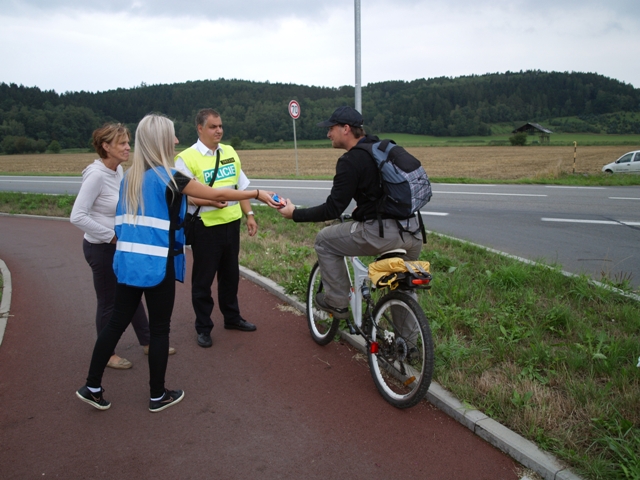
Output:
x,y
551,357
36,204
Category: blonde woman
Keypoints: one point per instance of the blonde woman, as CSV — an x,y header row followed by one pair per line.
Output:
x,y
149,254
94,212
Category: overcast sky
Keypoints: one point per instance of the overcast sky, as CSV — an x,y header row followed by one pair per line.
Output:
x,y
72,45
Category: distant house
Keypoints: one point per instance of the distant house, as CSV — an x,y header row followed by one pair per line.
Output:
x,y
535,129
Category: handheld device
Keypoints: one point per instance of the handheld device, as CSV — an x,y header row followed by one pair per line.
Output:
x,y
279,200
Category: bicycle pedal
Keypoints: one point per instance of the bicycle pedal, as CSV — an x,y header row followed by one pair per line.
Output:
x,y
352,330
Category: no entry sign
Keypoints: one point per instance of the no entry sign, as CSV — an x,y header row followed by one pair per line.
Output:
x,y
294,109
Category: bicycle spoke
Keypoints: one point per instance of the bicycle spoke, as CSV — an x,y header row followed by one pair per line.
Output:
x,y
322,326
403,366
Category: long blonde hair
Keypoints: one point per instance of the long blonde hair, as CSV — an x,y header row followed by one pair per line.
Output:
x,y
154,148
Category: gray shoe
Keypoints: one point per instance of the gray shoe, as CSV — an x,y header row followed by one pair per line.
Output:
x,y
204,340
339,313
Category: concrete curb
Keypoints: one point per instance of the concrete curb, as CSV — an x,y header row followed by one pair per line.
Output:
x,y
5,305
517,447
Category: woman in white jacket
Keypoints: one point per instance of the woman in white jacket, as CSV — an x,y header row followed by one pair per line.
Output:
x,y
94,213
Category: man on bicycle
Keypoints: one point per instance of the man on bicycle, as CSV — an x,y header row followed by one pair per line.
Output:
x,y
357,178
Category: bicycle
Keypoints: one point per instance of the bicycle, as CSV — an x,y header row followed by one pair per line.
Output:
x,y
395,329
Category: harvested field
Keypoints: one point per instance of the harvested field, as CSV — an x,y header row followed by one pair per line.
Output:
x,y
506,163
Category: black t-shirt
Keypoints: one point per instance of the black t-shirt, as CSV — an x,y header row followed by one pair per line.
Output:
x,y
174,199
356,178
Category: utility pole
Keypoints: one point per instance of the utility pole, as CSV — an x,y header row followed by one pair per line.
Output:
x,y
358,57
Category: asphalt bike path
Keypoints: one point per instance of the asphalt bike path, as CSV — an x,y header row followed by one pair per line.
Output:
x,y
264,404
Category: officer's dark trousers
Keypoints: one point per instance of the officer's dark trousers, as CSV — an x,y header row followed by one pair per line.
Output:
x,y
215,250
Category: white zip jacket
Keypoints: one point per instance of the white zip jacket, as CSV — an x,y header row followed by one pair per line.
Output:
x,y
94,210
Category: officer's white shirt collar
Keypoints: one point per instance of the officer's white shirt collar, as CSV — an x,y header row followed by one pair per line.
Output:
x,y
206,151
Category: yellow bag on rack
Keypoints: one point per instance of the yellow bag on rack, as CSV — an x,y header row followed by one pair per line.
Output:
x,y
385,273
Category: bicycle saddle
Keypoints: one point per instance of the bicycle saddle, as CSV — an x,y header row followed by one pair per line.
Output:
x,y
398,252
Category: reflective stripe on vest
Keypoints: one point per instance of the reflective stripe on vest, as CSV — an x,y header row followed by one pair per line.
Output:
x,y
143,242
143,249
202,166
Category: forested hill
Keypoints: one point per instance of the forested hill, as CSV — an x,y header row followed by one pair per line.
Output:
x,y
31,118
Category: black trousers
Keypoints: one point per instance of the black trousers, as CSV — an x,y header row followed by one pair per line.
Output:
x,y
215,251
160,300
99,256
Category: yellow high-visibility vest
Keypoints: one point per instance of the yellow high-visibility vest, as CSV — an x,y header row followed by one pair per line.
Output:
x,y
203,166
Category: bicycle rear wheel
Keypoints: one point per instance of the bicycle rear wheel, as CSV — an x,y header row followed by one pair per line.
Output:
x,y
403,365
323,327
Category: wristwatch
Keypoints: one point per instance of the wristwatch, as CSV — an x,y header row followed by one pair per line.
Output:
x,y
250,212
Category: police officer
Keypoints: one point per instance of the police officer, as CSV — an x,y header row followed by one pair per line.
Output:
x,y
216,242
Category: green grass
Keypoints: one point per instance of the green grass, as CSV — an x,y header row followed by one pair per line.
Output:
x,y
498,139
36,204
549,356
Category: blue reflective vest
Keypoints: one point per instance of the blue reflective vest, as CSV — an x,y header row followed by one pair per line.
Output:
x,y
145,243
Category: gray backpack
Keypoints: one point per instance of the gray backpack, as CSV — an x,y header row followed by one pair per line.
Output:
x,y
405,184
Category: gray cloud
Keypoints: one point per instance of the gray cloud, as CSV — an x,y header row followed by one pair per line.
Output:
x,y
212,9
252,10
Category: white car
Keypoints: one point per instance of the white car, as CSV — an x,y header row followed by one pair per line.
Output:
x,y
627,163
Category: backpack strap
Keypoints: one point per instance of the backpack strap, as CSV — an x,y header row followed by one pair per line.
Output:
x,y
413,232
422,230
213,179
384,144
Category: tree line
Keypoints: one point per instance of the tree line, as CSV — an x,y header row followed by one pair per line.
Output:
x,y
35,120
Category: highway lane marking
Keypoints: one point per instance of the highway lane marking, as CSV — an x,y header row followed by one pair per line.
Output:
x,y
569,186
597,222
294,188
496,194
435,214
435,191
44,180
624,198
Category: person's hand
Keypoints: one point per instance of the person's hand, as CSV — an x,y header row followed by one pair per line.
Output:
x,y
114,240
287,210
252,225
217,204
265,196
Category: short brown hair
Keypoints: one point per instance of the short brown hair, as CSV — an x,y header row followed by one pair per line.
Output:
x,y
202,115
357,132
107,133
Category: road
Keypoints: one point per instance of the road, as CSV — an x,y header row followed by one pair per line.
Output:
x,y
591,230
269,404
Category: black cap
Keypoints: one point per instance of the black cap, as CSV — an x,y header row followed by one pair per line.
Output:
x,y
344,116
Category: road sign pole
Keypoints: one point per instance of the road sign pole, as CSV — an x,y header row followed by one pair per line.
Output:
x,y
295,144
294,111
358,99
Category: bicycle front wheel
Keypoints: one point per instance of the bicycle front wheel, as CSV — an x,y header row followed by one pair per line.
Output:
x,y
322,326
403,365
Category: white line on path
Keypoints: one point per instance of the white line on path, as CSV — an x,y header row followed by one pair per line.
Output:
x,y
624,198
597,222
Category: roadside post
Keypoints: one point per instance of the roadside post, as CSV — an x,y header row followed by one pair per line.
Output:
x,y
575,147
294,111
